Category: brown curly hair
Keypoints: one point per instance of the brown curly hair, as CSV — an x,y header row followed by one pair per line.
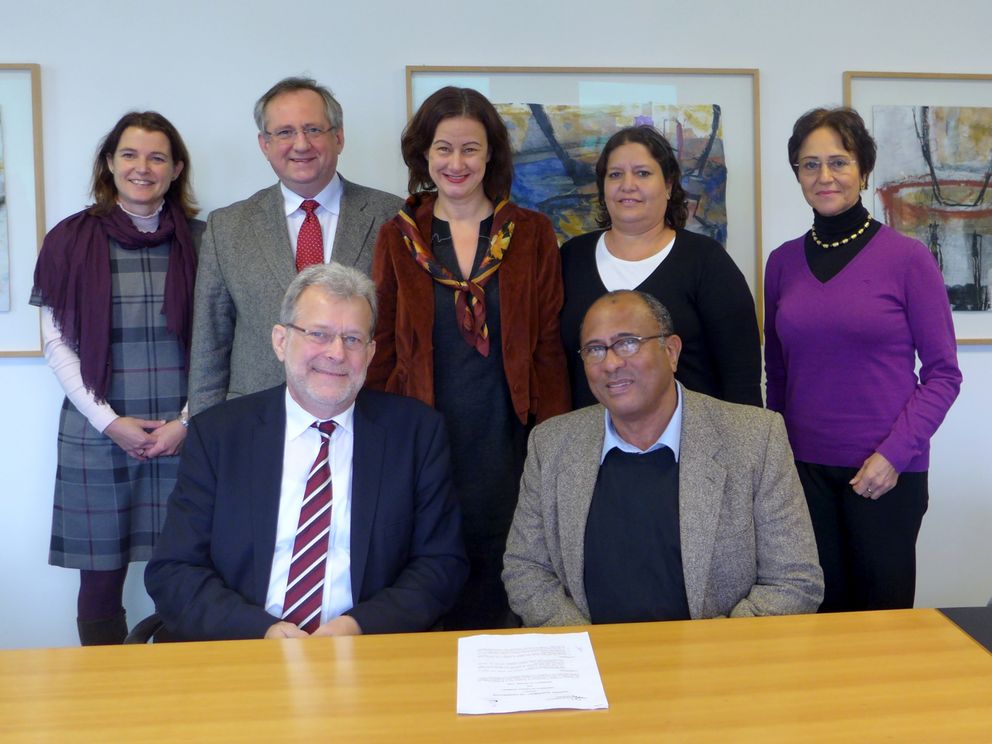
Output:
x,y
447,103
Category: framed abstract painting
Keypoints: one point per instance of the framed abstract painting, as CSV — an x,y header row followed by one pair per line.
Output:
x,y
22,206
932,176
559,118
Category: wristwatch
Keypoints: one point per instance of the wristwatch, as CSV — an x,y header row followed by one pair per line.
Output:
x,y
183,419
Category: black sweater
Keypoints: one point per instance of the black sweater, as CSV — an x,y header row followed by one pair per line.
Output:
x,y
711,307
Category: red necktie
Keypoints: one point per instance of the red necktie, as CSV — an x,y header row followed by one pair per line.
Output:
x,y
310,241
305,587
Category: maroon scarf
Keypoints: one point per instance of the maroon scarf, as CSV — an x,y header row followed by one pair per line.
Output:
x,y
72,277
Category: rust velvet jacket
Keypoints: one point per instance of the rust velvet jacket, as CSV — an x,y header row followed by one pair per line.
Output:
x,y
531,296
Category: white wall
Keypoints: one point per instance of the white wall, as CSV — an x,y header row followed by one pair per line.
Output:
x,y
204,63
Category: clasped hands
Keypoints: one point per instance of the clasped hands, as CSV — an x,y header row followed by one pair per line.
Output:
x,y
144,439
342,625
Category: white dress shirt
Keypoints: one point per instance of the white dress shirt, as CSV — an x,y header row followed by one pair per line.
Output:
x,y
299,451
327,213
616,273
671,437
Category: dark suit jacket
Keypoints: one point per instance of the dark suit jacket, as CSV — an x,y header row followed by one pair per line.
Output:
x,y
209,573
246,263
530,296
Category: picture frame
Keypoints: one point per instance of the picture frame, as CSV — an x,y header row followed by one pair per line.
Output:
x,y
932,175
23,224
735,90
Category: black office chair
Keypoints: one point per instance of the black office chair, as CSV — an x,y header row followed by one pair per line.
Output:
x,y
150,630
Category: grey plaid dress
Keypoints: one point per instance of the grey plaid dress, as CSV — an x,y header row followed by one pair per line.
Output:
x,y
109,507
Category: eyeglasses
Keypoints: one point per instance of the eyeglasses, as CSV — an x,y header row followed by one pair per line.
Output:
x,y
812,166
323,338
622,347
289,135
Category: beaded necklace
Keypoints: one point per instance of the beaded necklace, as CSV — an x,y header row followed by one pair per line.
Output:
x,y
844,241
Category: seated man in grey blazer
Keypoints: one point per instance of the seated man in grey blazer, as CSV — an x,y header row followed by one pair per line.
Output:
x,y
252,249
661,503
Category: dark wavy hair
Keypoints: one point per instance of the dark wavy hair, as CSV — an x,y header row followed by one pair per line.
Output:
x,y
664,154
850,127
103,188
447,103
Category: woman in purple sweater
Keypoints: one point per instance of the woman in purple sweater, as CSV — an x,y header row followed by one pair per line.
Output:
x,y
848,308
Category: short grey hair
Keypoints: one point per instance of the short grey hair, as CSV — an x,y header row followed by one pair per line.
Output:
x,y
658,311
332,109
335,279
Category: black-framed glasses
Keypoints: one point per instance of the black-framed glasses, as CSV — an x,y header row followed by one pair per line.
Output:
x,y
288,134
349,341
622,347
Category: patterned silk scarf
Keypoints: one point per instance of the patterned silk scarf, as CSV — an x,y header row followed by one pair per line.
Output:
x,y
470,297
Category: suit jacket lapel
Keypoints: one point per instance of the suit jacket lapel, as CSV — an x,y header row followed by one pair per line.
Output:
x,y
266,441
366,476
353,227
576,483
701,486
272,237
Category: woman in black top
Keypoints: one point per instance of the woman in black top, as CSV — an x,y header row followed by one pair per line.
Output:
x,y
644,246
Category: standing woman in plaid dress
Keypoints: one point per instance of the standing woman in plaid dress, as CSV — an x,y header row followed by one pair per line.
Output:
x,y
115,284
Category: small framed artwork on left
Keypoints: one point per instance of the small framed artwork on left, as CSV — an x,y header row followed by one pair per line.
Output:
x,y
22,206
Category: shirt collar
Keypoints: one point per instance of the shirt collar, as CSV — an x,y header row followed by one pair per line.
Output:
x,y
299,420
328,198
670,437
156,213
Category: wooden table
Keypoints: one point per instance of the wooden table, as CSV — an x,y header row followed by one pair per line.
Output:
x,y
902,676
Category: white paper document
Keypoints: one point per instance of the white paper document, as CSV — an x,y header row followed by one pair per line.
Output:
x,y
532,671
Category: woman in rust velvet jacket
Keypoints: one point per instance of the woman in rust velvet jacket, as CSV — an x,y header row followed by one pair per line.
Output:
x,y
469,291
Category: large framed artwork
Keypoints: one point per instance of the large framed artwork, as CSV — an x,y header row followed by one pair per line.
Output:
x,y
932,176
559,118
22,206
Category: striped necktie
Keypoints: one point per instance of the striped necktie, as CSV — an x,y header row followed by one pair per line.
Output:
x,y
305,587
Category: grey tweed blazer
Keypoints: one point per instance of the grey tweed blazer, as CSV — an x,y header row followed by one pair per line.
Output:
x,y
246,263
747,541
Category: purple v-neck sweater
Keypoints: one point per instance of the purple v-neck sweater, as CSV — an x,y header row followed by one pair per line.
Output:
x,y
840,356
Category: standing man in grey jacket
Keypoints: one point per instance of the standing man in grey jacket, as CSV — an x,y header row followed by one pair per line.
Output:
x,y
252,249
660,503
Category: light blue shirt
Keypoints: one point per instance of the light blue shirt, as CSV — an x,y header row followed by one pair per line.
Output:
x,y
670,437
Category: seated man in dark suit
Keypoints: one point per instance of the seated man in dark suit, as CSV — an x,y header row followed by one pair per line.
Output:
x,y
315,507
661,503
